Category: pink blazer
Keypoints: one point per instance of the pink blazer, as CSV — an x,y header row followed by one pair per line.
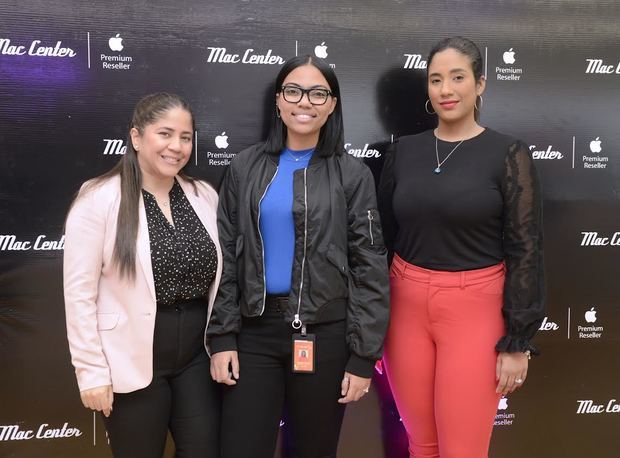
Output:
x,y
111,320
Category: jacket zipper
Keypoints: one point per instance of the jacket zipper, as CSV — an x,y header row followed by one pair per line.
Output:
x,y
370,220
262,244
297,322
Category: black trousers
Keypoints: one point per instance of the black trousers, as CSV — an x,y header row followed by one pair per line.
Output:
x,y
253,408
181,398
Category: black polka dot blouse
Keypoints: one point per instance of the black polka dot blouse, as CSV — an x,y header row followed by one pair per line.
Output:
x,y
183,255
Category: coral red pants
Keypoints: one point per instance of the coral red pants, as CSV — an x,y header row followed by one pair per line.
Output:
x,y
440,357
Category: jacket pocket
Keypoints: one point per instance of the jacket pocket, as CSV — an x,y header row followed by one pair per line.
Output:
x,y
329,276
337,257
107,321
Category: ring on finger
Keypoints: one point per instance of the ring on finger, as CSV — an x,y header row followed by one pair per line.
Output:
x,y
367,389
519,381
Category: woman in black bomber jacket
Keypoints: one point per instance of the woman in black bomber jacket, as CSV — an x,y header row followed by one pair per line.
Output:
x,y
302,308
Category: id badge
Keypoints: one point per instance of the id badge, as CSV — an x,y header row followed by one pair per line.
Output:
x,y
303,353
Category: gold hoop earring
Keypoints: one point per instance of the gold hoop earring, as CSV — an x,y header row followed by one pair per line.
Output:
x,y
476,103
426,108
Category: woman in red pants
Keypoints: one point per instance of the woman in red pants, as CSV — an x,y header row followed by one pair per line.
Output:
x,y
461,210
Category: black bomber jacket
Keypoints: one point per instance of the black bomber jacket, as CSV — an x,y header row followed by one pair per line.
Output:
x,y
339,266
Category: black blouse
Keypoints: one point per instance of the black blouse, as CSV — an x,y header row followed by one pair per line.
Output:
x,y
184,256
484,207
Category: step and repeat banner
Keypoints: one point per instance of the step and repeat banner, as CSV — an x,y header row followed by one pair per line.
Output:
x,y
71,72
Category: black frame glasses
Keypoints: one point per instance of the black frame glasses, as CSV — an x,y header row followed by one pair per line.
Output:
x,y
316,95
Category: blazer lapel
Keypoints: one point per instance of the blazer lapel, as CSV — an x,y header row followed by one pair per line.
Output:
x,y
143,248
206,211
200,206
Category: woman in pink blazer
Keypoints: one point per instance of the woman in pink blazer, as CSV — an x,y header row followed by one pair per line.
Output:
x,y
142,265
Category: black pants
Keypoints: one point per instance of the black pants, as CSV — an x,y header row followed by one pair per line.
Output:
x,y
252,409
182,396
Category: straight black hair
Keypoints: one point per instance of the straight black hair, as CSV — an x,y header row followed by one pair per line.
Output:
x,y
331,136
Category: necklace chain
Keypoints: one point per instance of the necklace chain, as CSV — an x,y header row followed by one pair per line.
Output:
x,y
297,159
439,164
165,203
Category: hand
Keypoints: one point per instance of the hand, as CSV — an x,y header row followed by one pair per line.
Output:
x,y
510,368
99,398
353,388
220,362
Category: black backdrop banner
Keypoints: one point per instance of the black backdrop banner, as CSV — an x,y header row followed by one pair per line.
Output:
x,y
71,72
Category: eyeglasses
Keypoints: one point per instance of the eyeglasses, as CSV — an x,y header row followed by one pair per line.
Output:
x,y
316,96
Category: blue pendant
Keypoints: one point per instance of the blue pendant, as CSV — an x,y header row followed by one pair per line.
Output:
x,y
437,171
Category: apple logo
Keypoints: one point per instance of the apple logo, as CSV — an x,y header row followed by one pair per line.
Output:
x,y
116,43
321,50
503,403
595,145
509,57
590,315
221,141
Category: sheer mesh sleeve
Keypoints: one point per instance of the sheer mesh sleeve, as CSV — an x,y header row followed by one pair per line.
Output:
x,y
524,290
384,198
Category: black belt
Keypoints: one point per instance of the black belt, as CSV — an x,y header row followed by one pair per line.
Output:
x,y
276,303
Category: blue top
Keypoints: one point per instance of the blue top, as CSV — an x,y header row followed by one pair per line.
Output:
x,y
276,222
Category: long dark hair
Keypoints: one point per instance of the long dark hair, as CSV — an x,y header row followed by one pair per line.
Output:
x,y
331,136
466,47
147,111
